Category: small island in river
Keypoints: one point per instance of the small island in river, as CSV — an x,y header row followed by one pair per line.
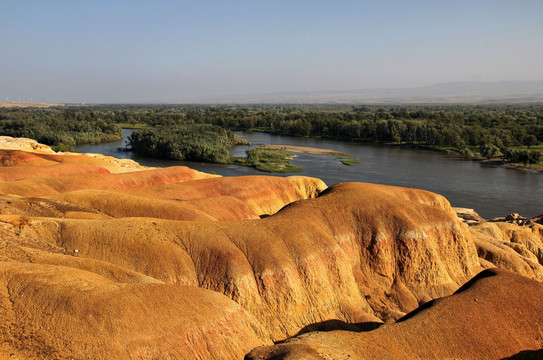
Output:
x,y
344,158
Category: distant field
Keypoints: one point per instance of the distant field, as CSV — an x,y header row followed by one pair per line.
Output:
x,y
26,104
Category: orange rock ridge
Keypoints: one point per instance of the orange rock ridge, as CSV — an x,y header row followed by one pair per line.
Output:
x,y
307,253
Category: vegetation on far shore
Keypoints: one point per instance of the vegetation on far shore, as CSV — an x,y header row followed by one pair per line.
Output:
x,y
60,129
509,133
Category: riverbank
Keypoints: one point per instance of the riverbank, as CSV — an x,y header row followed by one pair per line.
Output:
x,y
532,168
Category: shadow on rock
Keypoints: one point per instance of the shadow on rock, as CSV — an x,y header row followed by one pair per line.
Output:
x,y
331,325
527,355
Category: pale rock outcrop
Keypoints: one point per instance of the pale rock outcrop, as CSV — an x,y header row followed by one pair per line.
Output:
x,y
469,216
510,246
19,151
24,144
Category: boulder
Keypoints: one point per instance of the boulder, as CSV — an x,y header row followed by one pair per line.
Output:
x,y
468,216
512,247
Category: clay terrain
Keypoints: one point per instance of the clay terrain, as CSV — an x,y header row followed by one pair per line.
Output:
x,y
105,259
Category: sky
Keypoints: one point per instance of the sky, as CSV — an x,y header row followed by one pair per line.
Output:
x,y
134,51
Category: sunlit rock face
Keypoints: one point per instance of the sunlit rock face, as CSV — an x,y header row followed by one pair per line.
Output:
x,y
497,315
24,144
175,263
61,312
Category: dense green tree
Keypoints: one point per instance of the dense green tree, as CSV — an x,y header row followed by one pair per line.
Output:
x,y
490,151
529,140
192,142
523,156
466,153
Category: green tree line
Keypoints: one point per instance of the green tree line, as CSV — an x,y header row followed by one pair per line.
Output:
x,y
466,128
511,129
57,127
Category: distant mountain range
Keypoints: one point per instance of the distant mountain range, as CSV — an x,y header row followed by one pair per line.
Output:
x,y
454,92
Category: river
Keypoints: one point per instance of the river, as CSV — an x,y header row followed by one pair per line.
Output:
x,y
492,191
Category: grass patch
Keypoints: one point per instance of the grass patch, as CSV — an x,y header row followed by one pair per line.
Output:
x,y
268,160
132,126
351,162
259,129
347,159
237,160
439,147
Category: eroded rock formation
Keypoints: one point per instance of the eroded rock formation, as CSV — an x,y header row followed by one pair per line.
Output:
x,y
481,320
510,246
98,262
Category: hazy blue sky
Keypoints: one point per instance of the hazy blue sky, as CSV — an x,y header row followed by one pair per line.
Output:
x,y
160,50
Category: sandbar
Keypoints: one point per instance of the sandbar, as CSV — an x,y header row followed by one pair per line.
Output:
x,y
302,149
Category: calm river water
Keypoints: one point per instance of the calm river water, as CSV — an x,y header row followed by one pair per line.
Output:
x,y
491,191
